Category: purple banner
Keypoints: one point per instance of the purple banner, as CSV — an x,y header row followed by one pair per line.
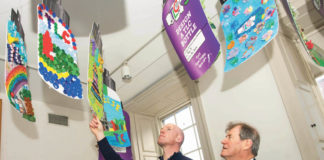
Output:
x,y
189,32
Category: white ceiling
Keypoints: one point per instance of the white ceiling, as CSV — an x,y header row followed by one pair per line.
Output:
x,y
131,30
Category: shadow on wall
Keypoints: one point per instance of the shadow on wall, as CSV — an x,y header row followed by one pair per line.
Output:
x,y
110,15
50,96
25,127
245,70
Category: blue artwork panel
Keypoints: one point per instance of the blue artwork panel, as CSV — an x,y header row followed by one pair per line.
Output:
x,y
115,128
248,26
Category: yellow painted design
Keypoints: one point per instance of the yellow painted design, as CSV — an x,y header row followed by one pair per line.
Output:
x,y
117,107
12,39
101,68
100,60
59,75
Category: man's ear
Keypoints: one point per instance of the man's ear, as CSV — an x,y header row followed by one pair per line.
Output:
x,y
247,144
178,139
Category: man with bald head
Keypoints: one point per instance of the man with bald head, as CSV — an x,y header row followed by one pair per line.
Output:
x,y
170,139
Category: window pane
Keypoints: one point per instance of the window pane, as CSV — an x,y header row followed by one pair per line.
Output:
x,y
190,140
194,155
184,118
169,120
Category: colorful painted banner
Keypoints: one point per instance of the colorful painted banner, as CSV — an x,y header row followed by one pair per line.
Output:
x,y
115,128
319,5
16,83
128,154
311,49
95,72
248,26
57,54
191,36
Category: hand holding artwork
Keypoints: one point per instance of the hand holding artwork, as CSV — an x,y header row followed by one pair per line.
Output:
x,y
96,128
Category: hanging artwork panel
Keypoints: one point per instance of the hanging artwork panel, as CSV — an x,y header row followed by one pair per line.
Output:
x,y
127,154
95,72
191,36
16,81
313,50
248,26
115,128
57,52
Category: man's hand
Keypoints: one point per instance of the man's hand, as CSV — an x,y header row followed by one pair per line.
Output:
x,y
96,128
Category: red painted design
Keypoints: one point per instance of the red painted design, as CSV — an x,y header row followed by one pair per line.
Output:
x,y
175,10
47,45
65,35
114,125
309,44
122,137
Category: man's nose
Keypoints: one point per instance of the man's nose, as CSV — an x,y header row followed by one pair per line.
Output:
x,y
223,141
162,131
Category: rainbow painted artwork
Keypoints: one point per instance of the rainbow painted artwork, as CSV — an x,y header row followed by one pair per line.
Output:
x,y
57,54
95,73
248,26
16,83
115,126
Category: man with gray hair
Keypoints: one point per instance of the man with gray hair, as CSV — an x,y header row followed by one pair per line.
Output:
x,y
241,142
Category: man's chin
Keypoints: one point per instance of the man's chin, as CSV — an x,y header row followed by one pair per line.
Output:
x,y
223,154
160,143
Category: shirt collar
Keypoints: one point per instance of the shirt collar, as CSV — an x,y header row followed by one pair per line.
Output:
x,y
175,155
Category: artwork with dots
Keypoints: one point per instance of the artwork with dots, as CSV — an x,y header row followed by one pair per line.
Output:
x,y
115,124
95,73
57,54
16,82
248,26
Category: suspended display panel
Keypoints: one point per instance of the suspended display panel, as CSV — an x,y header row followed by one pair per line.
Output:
x,y
191,36
248,26
57,53
95,72
16,82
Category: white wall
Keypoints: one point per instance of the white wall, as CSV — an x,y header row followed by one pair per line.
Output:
x,y
43,141
248,93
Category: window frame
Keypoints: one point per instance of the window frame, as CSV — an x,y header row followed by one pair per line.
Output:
x,y
193,125
205,144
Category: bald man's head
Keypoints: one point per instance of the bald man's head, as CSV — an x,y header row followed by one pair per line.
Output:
x,y
171,134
